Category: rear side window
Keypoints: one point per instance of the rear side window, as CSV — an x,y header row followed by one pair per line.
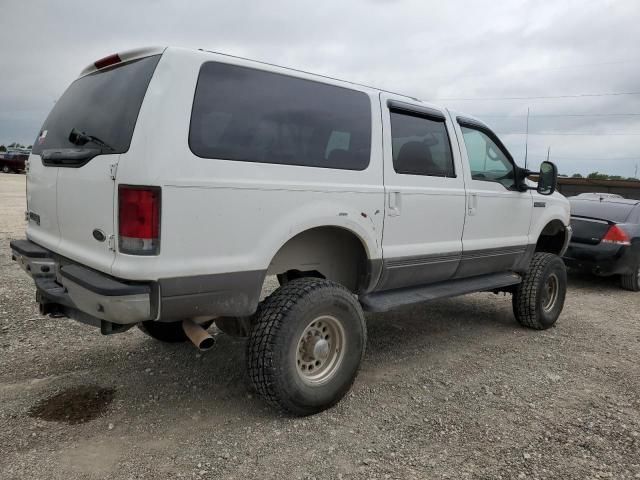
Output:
x,y
104,104
420,146
250,115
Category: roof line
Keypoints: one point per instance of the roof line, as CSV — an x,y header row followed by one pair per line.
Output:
x,y
311,73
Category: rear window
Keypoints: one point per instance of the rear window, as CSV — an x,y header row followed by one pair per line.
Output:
x,y
420,146
610,211
104,104
250,115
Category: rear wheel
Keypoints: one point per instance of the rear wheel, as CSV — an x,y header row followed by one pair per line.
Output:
x,y
631,281
169,332
539,298
306,345
6,169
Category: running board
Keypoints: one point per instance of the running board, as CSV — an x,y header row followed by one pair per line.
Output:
x,y
389,299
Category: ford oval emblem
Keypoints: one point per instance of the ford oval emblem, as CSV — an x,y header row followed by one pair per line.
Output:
x,y
99,235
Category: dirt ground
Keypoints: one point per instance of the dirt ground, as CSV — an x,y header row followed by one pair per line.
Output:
x,y
452,389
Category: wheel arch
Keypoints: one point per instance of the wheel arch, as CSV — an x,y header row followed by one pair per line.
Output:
x,y
334,252
553,238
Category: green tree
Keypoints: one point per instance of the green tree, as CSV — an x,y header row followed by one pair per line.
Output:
x,y
597,176
576,175
3,148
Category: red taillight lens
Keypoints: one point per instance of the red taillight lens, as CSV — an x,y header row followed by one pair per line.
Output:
x,y
139,220
107,61
617,236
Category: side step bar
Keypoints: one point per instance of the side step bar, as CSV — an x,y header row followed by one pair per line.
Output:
x,y
390,299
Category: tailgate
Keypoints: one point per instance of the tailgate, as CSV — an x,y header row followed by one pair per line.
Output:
x,y
71,178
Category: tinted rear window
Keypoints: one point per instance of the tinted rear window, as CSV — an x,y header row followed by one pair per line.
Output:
x,y
250,115
104,104
605,210
420,146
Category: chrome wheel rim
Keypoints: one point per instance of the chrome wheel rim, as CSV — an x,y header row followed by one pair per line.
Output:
x,y
320,350
550,292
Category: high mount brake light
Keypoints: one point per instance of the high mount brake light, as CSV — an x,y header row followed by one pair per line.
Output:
x,y
616,236
139,220
108,61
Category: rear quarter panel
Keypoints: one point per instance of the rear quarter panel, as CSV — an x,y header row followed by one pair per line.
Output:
x,y
225,216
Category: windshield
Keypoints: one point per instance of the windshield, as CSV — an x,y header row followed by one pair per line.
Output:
x,y
103,105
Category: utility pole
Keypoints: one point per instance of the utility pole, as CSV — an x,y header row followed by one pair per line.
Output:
x,y
526,142
548,152
635,175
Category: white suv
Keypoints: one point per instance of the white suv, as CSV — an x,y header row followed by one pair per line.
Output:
x,y
166,184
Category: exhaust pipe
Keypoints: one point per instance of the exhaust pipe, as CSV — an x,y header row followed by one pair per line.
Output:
x,y
198,335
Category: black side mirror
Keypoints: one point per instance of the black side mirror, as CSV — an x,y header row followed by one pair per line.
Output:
x,y
547,179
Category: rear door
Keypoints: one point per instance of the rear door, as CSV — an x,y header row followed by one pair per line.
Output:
x,y
425,195
72,169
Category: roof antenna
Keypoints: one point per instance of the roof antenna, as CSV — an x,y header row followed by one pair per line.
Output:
x,y
526,142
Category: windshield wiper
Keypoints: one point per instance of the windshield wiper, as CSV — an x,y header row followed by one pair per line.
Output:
x,y
81,138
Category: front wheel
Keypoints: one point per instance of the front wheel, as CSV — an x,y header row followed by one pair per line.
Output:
x,y
306,345
539,298
6,169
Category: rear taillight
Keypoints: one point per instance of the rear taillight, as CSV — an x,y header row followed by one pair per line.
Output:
x,y
616,236
139,220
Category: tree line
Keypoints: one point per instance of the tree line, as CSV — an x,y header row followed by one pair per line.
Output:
x,y
604,176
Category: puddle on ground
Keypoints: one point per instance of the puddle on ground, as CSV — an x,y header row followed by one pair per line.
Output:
x,y
74,405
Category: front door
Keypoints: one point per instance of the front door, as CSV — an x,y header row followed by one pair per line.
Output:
x,y
496,231
425,196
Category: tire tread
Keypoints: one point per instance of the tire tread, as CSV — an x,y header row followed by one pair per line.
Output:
x,y
525,296
269,318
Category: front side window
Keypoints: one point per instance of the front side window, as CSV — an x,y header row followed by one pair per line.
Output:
x,y
251,115
420,146
487,161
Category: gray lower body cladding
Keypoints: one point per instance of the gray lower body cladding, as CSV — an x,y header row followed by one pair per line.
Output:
x,y
233,294
429,269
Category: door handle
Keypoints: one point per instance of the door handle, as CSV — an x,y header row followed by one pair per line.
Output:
x,y
394,203
473,204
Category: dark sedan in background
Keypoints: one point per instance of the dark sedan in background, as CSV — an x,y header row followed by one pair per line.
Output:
x,y
606,238
13,161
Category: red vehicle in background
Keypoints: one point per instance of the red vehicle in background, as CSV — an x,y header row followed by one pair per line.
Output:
x,y
13,161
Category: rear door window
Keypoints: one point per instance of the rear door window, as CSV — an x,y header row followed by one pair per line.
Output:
x,y
420,146
251,115
104,104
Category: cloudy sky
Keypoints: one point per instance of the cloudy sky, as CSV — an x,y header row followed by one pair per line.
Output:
x,y
479,57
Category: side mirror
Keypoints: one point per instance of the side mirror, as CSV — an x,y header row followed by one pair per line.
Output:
x,y
548,178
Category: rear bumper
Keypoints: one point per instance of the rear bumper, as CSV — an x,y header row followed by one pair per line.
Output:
x,y
68,289
80,293
602,259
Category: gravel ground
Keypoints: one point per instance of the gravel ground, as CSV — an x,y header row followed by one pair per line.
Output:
x,y
453,389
